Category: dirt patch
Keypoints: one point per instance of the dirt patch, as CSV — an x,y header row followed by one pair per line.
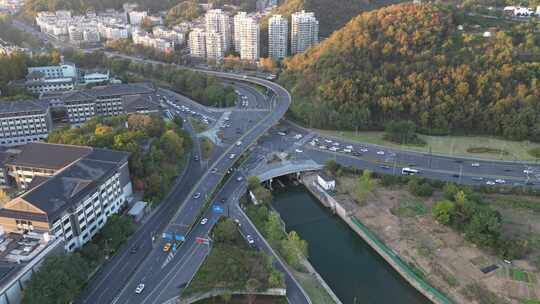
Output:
x,y
450,263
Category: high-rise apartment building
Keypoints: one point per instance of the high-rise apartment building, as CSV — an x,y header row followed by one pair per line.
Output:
x,y
219,22
278,37
197,43
246,36
304,31
214,46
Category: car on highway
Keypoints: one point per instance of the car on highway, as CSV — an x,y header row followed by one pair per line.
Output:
x,y
196,157
364,150
204,221
475,165
347,150
298,151
250,239
232,155
328,141
490,183
238,143
298,136
527,171
478,179
167,247
281,133
214,170
380,152
333,148
134,249
239,179
197,195
139,288
322,147
500,181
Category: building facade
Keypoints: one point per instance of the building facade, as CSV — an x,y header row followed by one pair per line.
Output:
x,y
219,22
22,122
246,36
278,37
304,31
197,43
214,46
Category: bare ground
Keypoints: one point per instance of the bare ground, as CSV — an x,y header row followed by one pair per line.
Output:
x,y
450,263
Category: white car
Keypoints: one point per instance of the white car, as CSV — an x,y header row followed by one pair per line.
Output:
x,y
204,221
328,141
239,179
312,143
347,150
139,288
335,144
298,151
364,150
475,165
322,147
500,181
232,156
197,195
527,171
380,152
333,149
490,183
349,147
238,143
298,136
250,239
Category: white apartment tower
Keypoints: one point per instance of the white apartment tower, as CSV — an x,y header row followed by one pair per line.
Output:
x,y
249,44
304,31
278,37
246,36
214,46
219,22
238,21
197,43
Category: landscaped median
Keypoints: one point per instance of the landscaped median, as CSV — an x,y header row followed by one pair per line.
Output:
x,y
232,267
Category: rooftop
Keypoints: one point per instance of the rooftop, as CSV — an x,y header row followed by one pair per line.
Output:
x,y
72,184
22,106
44,155
121,89
135,103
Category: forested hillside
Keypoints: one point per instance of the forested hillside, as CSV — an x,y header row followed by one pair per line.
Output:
x,y
411,62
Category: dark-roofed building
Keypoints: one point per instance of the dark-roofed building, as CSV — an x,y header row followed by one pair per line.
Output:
x,y
107,101
74,203
40,159
142,104
22,122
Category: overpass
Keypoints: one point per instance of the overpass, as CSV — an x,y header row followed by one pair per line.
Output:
x,y
267,172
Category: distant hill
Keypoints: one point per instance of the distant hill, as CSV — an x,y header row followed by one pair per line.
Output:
x,y
332,14
411,62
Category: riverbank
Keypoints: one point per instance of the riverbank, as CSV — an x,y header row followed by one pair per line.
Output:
x,y
345,212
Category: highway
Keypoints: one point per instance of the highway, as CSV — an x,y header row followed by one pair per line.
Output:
x,y
164,275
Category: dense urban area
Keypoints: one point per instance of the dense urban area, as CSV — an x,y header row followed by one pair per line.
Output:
x,y
269,151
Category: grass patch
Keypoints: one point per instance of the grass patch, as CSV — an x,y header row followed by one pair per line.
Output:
x,y
487,150
207,146
315,291
534,152
519,275
517,202
530,301
481,294
198,126
409,208
448,145
231,264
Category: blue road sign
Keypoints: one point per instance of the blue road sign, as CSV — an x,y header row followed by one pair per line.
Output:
x,y
167,236
174,247
217,209
179,237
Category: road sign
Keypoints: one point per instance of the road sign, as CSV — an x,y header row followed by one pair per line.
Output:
x,y
179,237
167,236
200,240
217,209
174,247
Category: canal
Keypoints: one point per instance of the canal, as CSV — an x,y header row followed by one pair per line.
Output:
x,y
354,271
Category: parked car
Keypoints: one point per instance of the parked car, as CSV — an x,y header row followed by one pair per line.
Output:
x,y
167,247
197,195
204,221
139,288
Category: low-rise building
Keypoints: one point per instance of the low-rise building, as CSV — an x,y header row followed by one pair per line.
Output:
x,y
326,182
75,203
22,122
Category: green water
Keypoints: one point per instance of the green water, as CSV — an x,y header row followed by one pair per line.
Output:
x,y
354,271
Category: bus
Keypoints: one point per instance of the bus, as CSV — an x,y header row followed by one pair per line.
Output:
x,y
409,171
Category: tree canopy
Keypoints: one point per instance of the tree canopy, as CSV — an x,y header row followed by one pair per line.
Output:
x,y
410,62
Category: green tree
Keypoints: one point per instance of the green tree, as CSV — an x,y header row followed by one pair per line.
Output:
x,y
226,232
443,212
294,249
253,182
273,229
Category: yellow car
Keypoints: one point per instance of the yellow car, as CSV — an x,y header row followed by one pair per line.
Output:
x,y
167,247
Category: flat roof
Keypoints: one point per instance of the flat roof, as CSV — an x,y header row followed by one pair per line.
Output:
x,y
22,106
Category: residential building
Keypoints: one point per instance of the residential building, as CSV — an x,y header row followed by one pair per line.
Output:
x,y
218,22
137,17
326,182
197,43
113,31
23,122
246,36
148,40
74,204
304,31
174,35
56,71
51,78
278,37
214,46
